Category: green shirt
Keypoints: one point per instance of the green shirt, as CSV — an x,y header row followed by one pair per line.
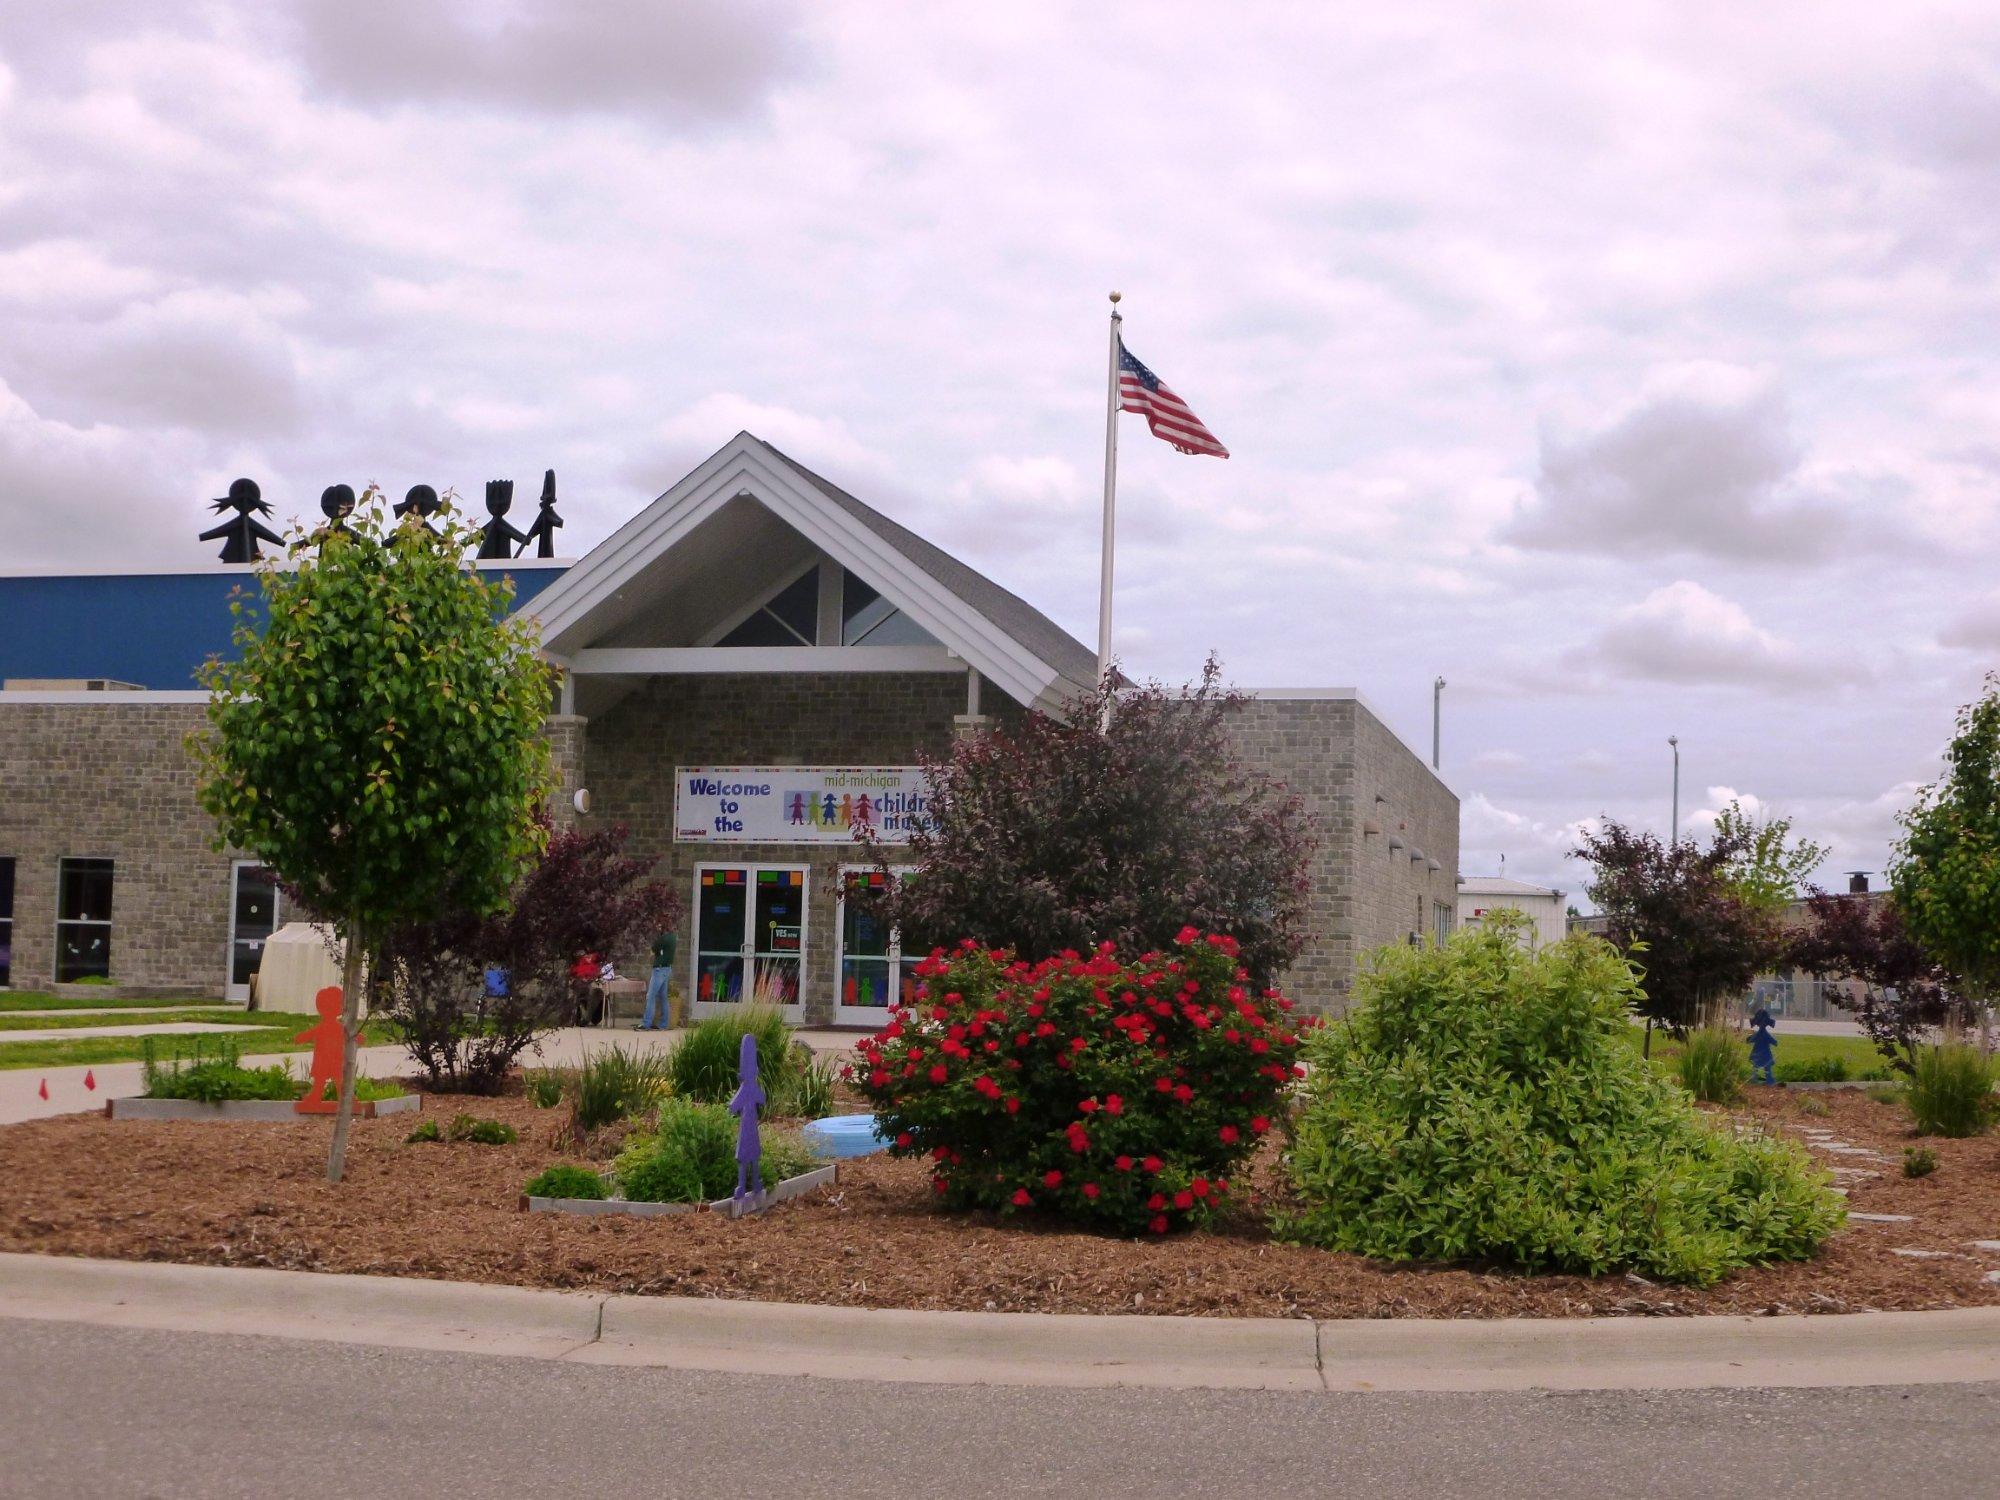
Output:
x,y
663,950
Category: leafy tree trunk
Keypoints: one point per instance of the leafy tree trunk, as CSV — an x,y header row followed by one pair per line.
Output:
x,y
350,1025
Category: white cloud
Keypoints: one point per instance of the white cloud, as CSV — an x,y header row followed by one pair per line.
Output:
x,y
1703,462
1683,633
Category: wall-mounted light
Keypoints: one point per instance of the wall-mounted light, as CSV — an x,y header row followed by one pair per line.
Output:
x,y
580,800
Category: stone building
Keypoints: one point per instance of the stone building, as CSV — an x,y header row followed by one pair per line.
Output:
x,y
753,665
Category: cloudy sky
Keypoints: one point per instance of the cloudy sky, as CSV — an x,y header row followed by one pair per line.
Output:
x,y
1631,367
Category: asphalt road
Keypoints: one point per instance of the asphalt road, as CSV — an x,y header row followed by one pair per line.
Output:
x,y
108,1413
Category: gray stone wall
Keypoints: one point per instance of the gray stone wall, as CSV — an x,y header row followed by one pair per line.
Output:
x,y
1353,775
113,780
852,719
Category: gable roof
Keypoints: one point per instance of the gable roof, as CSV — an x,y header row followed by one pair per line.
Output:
x,y
1022,651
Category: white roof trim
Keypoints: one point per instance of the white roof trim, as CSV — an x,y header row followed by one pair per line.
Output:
x,y
745,465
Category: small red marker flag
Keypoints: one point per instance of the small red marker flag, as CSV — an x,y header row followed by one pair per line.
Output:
x,y
90,1078
45,1089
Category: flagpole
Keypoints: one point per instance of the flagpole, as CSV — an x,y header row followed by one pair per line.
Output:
x,y
1110,513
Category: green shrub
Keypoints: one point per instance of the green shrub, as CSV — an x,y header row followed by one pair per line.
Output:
x,y
1712,1066
1951,1090
367,1090
691,1156
1919,1161
805,1091
544,1086
480,1132
1887,1094
1484,1104
565,1182
1122,1094
427,1130
1812,1070
702,1065
211,1070
1814,1106
614,1084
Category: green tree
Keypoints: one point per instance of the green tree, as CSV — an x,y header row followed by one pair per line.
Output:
x,y
1945,871
1769,869
377,742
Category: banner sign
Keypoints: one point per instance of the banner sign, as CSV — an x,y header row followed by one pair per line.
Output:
x,y
797,804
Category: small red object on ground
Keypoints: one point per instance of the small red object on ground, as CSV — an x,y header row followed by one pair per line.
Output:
x,y
90,1078
44,1090
329,1044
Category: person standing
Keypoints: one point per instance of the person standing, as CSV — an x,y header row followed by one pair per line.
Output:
x,y
658,1014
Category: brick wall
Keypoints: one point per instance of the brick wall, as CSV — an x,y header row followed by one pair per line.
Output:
x,y
850,719
114,781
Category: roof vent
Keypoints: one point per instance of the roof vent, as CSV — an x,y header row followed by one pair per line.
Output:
x,y
1857,882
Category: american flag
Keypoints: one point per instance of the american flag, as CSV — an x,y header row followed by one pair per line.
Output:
x,y
1140,390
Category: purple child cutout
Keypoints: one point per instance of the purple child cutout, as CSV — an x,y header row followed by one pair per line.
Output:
x,y
749,1149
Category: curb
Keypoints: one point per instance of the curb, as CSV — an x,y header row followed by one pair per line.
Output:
x,y
1037,1349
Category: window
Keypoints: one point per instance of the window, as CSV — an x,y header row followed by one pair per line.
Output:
x,y
1441,923
749,935
83,919
789,618
6,922
874,972
866,618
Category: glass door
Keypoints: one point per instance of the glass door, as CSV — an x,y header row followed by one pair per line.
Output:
x,y
779,940
874,972
721,933
253,917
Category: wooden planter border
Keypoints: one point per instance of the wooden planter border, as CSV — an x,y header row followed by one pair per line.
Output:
x,y
791,1187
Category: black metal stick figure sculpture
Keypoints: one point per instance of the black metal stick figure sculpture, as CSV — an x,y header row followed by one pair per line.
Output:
x,y
546,521
240,534
422,499
336,503
499,536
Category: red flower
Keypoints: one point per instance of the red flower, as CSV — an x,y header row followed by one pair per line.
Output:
x,y
1159,1224
903,1138
1259,1124
1228,1134
1114,1105
1187,935
1052,1178
940,1073
1088,1107
1021,1198
1199,1187
937,1184
940,1152
1156,1202
878,1079
1183,1093
1163,1085
1013,1105
1184,1199
1152,1164
1123,1164
1090,1190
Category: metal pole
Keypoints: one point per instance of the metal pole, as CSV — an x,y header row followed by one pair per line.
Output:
x,y
1674,828
1437,719
1110,512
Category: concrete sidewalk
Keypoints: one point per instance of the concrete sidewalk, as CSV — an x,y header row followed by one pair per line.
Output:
x,y
1024,1349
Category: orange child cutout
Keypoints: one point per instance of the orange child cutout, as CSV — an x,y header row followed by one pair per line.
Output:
x,y
329,1042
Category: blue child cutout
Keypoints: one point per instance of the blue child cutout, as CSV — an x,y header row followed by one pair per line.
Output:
x,y
1763,1046
749,1149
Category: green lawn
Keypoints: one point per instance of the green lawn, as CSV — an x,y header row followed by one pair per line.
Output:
x,y
31,1000
274,1034
1857,1052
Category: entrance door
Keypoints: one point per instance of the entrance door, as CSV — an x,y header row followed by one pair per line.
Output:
x,y
874,974
253,917
750,937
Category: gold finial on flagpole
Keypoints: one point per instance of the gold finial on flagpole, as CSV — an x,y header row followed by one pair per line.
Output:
x,y
1117,297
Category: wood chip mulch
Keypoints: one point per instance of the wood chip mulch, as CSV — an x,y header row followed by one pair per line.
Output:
x,y
255,1195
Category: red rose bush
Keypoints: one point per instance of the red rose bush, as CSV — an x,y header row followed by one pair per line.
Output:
x,y
1121,1095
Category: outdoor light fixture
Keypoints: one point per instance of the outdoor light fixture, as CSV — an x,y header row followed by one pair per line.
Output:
x,y
580,800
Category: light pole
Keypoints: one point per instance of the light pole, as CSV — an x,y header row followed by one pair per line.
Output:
x,y
1674,828
1437,719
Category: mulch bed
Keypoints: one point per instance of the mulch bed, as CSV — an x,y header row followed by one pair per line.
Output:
x,y
255,1195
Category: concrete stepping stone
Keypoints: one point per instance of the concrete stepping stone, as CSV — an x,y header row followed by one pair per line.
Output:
x,y
1986,1245
1926,1254
1881,1218
1991,1276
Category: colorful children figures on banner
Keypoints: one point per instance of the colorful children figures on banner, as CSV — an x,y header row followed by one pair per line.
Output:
x,y
1762,1047
749,1148
329,1044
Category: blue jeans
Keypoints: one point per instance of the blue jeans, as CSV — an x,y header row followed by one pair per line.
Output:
x,y
656,998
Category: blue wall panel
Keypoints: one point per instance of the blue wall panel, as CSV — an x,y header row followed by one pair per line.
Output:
x,y
152,629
